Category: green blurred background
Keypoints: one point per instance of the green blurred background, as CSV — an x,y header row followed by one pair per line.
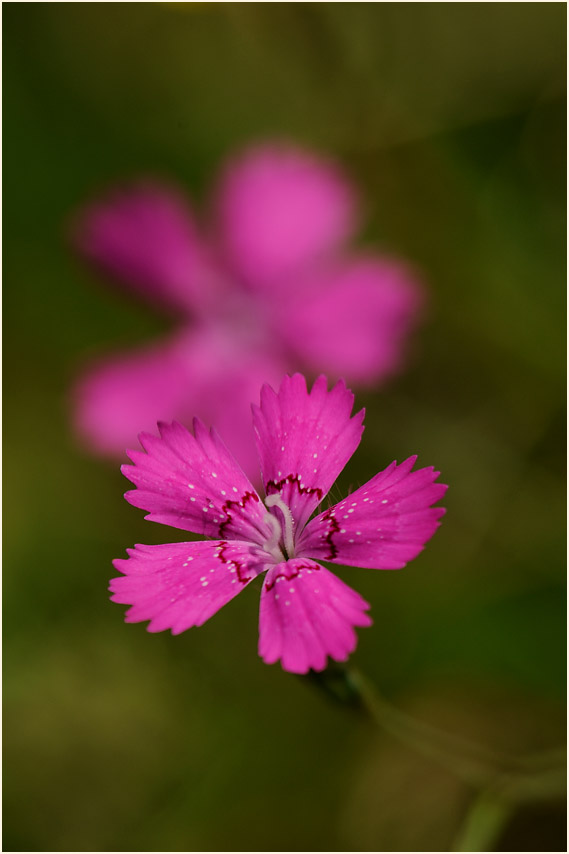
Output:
x,y
451,118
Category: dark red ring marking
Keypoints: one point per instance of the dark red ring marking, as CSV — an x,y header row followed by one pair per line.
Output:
x,y
240,502
223,546
333,529
297,570
294,478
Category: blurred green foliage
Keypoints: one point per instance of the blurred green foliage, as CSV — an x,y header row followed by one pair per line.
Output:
x,y
451,118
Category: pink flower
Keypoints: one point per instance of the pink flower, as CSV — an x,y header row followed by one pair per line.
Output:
x,y
194,483
268,287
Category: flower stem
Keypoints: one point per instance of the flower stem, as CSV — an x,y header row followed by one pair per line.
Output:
x,y
493,807
501,782
484,822
502,778
473,764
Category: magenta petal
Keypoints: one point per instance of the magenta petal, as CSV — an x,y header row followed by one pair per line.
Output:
x,y
280,208
180,585
123,394
352,320
383,525
145,237
201,373
307,614
194,483
304,440
229,386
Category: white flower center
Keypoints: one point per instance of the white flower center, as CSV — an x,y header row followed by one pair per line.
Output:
x,y
280,543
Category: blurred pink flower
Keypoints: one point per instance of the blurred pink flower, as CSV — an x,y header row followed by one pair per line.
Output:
x,y
194,483
269,287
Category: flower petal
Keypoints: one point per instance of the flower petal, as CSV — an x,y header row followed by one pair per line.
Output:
x,y
382,525
202,373
227,388
144,236
194,483
307,614
121,395
280,208
352,320
180,585
305,440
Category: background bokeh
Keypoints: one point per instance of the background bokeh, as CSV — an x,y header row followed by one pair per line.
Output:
x,y
451,118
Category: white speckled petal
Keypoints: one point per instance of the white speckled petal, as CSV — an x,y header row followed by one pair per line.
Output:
x,y
194,483
304,440
383,525
307,614
179,585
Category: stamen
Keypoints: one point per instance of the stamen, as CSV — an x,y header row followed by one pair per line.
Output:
x,y
276,501
272,545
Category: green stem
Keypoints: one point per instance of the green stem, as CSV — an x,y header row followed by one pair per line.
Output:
x,y
494,806
518,777
474,765
485,821
501,781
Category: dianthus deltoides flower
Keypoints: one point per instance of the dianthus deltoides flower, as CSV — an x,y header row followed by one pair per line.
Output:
x,y
192,482
264,285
